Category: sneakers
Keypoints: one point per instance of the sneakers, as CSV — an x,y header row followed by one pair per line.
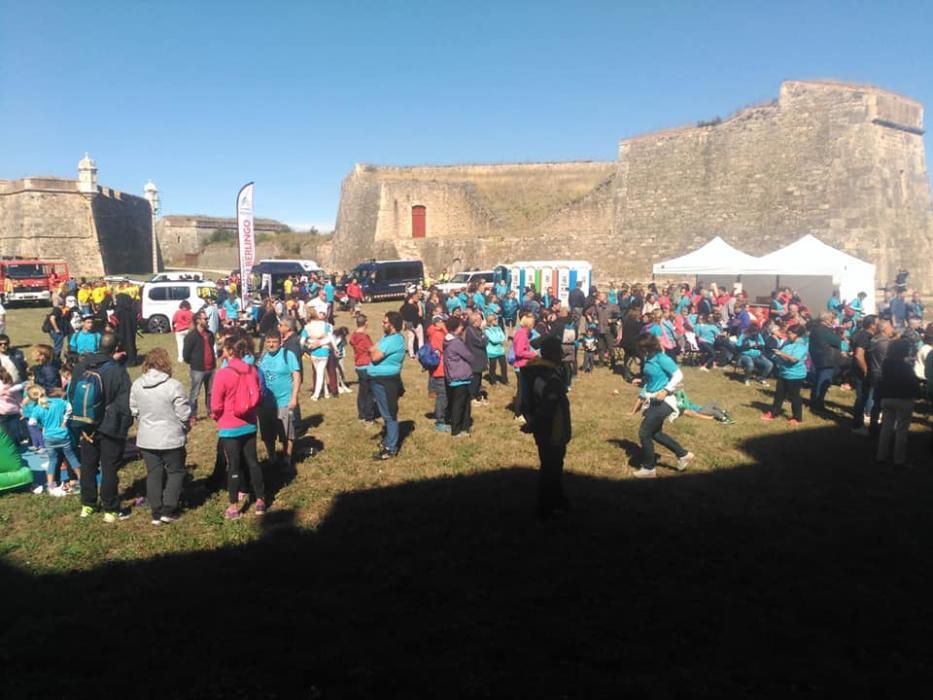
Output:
x,y
87,511
704,369
344,390
520,420
767,415
168,518
57,492
442,427
155,521
748,382
763,382
260,506
793,422
463,434
643,473
384,454
861,432
684,461
232,512
39,489
115,515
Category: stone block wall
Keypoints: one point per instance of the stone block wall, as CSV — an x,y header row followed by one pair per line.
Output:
x,y
95,233
843,162
181,236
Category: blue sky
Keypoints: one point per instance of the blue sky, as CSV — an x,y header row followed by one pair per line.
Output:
x,y
203,96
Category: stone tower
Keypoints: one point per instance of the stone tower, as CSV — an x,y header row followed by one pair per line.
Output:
x,y
87,175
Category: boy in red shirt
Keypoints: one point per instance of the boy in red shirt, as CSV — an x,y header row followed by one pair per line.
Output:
x,y
362,344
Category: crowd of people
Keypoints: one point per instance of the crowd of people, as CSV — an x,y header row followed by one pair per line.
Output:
x,y
73,398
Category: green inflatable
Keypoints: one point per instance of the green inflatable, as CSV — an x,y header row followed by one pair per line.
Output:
x,y
13,473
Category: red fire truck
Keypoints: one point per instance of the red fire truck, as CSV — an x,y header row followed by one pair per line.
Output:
x,y
30,279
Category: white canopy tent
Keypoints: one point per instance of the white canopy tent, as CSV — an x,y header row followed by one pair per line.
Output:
x,y
808,265
810,257
714,258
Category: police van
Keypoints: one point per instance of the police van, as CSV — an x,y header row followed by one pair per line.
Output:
x,y
387,279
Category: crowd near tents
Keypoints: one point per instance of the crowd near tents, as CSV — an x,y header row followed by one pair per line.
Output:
x,y
808,265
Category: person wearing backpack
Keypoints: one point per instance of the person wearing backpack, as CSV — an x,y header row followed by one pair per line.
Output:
x,y
436,385
99,394
235,399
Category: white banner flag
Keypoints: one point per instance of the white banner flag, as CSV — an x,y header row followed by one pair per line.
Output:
x,y
246,239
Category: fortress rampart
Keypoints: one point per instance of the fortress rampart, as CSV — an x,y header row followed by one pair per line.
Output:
x,y
843,162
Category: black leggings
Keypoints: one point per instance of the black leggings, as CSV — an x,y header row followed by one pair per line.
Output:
x,y
788,388
240,452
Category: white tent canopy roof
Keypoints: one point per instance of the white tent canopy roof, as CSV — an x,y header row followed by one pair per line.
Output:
x,y
714,258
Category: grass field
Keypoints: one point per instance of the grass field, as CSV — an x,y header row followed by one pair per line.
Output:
x,y
782,563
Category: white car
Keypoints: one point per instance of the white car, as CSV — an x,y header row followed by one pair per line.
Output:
x,y
463,280
178,277
160,301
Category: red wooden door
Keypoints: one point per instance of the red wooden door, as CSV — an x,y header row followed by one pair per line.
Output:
x,y
418,216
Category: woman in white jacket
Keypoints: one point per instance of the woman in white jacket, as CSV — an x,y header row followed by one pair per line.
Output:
x,y
160,404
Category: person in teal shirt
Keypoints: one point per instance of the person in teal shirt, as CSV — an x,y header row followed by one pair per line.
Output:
x,y
479,301
706,341
791,371
495,351
386,381
85,340
834,304
329,292
501,289
281,373
660,378
750,344
232,309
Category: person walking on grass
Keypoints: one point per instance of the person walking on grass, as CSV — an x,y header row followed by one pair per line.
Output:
x,y
547,415
234,402
182,320
386,381
790,359
161,407
660,379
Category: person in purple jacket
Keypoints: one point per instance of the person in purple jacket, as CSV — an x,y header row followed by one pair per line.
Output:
x,y
458,374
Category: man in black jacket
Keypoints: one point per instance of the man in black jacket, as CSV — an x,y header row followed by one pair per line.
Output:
x,y
825,347
198,353
102,442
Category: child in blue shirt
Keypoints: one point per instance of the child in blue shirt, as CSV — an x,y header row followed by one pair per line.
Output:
x,y
52,413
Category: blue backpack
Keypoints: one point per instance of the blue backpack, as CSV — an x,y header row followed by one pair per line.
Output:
x,y
428,357
86,396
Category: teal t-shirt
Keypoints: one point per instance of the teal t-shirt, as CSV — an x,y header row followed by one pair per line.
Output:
x,y
496,346
794,370
393,347
277,371
755,342
82,342
657,372
707,332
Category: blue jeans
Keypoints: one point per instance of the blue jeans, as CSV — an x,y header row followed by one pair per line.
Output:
x,y
58,341
199,379
862,391
823,378
760,363
57,449
391,421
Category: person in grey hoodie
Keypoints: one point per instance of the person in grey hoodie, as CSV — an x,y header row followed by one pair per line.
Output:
x,y
161,406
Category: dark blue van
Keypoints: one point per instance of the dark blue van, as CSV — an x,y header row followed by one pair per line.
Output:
x,y
387,279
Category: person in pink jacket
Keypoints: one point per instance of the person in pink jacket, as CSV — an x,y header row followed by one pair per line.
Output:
x,y
521,345
236,426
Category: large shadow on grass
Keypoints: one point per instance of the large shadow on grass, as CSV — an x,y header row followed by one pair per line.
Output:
x,y
806,573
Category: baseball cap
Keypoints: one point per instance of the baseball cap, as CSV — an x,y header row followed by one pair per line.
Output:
x,y
71,302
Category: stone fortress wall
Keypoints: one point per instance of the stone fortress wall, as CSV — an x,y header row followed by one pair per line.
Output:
x,y
97,230
184,236
840,161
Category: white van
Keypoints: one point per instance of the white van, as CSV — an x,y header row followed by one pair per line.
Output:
x,y
463,280
160,301
178,277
